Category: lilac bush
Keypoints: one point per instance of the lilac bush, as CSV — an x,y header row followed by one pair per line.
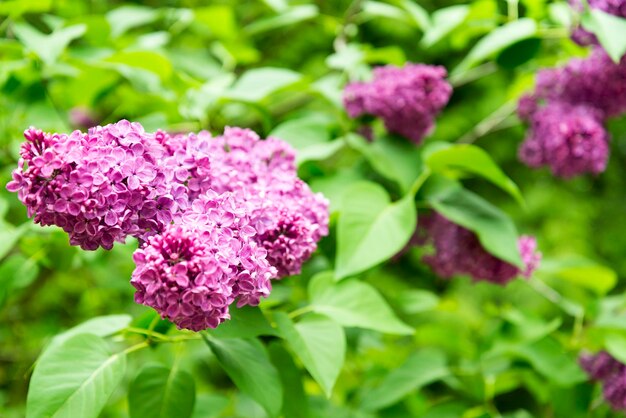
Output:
x,y
604,368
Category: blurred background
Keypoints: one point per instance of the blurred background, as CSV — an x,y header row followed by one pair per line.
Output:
x,y
278,67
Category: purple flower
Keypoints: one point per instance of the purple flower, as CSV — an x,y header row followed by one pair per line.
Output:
x,y
94,185
604,368
457,251
193,271
571,140
407,99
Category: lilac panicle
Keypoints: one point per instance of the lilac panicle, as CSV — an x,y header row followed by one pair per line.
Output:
x,y
457,251
571,140
100,186
407,99
217,217
195,269
604,368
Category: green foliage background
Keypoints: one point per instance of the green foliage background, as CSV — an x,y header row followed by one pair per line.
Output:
x,y
414,345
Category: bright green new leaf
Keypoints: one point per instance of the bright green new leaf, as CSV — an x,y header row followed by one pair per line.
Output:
x,y
420,369
74,379
255,85
151,61
494,229
128,17
417,13
47,47
373,9
371,228
581,272
497,40
616,345
246,362
161,392
292,16
245,322
444,21
353,303
472,159
101,326
610,31
320,344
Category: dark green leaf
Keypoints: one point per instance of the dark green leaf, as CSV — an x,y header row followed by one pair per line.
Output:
x,y
245,322
160,392
246,362
320,344
295,403
420,369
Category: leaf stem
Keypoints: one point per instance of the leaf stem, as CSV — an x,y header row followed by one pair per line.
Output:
x,y
300,311
490,123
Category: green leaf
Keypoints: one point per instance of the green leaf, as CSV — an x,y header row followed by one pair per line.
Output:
x,y
320,344
496,41
246,362
495,230
47,47
255,85
416,301
371,228
128,17
444,21
9,236
609,29
616,346
102,326
420,369
470,158
353,303
209,405
395,159
151,61
74,379
304,132
245,322
581,272
417,13
374,9
320,151
295,403
291,16
161,392
549,358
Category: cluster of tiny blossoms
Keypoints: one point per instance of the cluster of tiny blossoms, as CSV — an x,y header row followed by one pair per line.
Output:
x,y
567,111
407,99
217,218
457,251
602,367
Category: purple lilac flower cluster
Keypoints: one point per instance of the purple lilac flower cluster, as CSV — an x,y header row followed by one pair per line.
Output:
x,y
612,7
567,112
602,367
100,186
217,218
457,251
407,99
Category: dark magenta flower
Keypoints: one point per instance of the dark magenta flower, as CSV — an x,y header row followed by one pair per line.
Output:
x,y
407,99
571,140
457,251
